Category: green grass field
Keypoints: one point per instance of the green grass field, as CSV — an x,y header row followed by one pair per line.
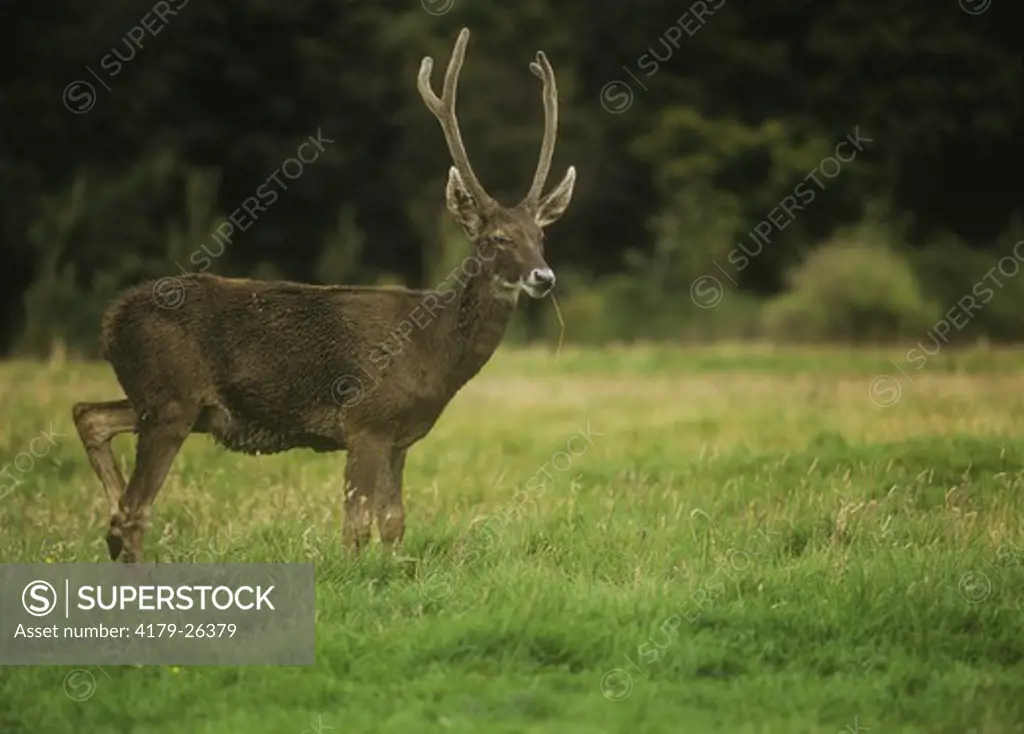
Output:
x,y
746,543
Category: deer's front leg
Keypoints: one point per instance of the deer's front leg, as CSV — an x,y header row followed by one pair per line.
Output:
x,y
388,501
367,471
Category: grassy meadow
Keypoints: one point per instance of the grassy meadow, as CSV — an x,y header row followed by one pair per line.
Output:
x,y
727,540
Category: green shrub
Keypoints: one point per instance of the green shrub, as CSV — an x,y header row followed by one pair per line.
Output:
x,y
989,295
855,288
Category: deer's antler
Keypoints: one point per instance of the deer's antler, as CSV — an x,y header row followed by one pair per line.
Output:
x,y
444,111
542,68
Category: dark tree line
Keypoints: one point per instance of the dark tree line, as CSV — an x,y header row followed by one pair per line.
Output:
x,y
130,130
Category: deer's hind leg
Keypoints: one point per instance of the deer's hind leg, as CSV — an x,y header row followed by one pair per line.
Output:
x,y
97,424
161,436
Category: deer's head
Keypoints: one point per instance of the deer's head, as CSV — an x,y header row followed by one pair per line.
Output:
x,y
509,241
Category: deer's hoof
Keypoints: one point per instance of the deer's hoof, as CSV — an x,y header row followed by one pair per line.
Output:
x,y
115,544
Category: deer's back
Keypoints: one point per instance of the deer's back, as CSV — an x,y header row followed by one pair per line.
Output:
x,y
268,363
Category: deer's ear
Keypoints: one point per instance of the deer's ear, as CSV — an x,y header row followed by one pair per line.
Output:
x,y
462,204
554,204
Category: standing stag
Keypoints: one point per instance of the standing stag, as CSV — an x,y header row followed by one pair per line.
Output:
x,y
258,365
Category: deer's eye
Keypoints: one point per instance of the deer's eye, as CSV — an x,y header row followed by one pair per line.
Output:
x,y
501,241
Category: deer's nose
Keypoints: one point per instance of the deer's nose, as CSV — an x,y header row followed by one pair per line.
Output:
x,y
542,278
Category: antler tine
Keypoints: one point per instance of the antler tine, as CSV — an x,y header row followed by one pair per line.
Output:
x,y
444,111
542,68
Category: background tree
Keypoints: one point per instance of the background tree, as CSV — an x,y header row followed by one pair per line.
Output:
x,y
211,100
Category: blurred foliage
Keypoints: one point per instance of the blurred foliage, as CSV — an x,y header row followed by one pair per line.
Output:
x,y
728,115
855,288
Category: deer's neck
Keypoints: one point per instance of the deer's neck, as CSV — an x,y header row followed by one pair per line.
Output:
x,y
475,326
